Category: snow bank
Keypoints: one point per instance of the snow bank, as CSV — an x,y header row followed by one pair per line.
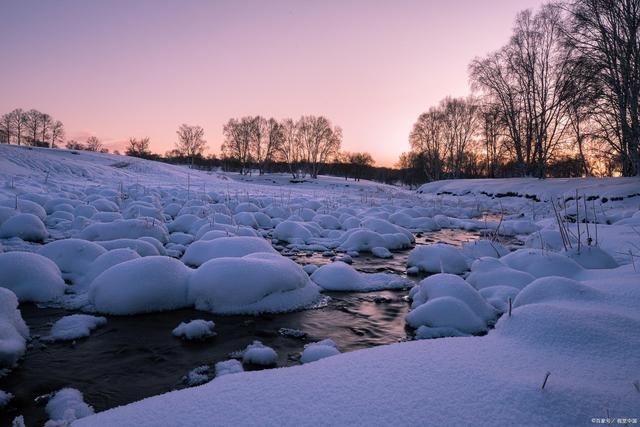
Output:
x,y
339,276
255,283
13,331
446,312
438,258
75,326
488,271
195,330
141,285
319,350
30,276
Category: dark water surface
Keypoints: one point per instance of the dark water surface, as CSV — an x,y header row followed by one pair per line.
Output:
x,y
134,357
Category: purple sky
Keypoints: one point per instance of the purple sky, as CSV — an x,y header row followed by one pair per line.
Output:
x,y
117,69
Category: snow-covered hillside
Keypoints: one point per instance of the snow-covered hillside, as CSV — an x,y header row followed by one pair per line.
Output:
x,y
543,333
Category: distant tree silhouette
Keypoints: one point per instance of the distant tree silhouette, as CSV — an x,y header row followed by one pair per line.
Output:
x,y
191,143
93,144
138,147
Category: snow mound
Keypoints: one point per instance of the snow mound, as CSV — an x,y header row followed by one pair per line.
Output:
x,y
195,330
75,326
103,263
5,398
592,257
255,283
364,240
259,354
541,263
339,276
72,256
141,285
142,247
488,271
381,252
30,276
66,406
25,226
546,239
202,251
292,232
13,330
484,248
438,258
449,285
498,296
126,229
446,312
226,367
554,288
319,350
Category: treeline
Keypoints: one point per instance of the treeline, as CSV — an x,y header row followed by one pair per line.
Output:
x,y
30,127
561,98
304,145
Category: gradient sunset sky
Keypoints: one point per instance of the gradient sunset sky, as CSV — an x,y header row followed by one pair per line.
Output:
x,y
117,69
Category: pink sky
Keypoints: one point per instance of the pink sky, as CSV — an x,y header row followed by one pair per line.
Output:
x,y
117,69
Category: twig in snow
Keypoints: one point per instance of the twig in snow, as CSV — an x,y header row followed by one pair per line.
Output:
x,y
546,377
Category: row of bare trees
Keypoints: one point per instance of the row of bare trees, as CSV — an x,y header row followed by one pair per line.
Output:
x,y
30,127
565,86
304,145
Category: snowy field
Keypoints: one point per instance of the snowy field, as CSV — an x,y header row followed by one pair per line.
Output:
x,y
542,333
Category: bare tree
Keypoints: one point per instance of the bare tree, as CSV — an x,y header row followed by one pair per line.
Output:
x,y
605,33
238,135
7,127
191,141
57,133
19,118
427,141
72,144
32,125
45,127
290,150
93,144
319,141
138,147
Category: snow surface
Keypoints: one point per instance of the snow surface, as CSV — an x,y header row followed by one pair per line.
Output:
x,y
75,326
575,313
66,406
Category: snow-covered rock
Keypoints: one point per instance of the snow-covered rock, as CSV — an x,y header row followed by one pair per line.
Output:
x,y
66,406
259,354
75,326
438,258
319,350
72,256
25,226
339,276
204,250
195,329
13,330
226,367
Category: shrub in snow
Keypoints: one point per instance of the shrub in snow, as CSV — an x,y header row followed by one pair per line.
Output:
x,y
13,331
25,226
141,285
260,282
75,326
592,257
126,229
66,406
292,232
484,248
438,258
259,354
488,271
204,250
72,256
449,285
339,276
104,262
554,288
30,276
542,263
446,312
227,367
319,350
195,330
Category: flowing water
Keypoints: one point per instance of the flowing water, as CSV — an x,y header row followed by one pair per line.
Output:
x,y
134,357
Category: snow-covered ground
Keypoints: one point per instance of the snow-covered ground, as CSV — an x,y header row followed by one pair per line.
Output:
x,y
544,335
